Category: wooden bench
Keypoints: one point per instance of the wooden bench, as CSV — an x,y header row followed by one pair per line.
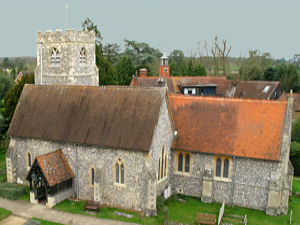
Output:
x,y
92,205
208,219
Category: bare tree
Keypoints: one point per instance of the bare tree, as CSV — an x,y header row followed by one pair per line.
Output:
x,y
223,52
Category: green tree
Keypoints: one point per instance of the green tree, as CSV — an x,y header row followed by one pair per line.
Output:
x,y
89,25
177,64
11,99
140,52
295,157
6,63
125,69
107,73
288,76
270,73
111,51
5,84
253,67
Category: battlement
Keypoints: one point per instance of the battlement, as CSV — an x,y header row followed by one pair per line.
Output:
x,y
69,35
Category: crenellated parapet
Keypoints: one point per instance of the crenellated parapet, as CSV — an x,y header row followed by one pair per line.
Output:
x,y
67,36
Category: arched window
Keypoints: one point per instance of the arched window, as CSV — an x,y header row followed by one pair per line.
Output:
x,y
226,167
180,162
218,167
120,172
55,56
29,159
82,57
187,163
158,177
117,173
92,176
165,171
162,166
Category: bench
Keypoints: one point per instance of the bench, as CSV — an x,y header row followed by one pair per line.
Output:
x,y
92,205
208,219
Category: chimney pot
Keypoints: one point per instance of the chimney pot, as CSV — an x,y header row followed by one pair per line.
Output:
x,y
143,72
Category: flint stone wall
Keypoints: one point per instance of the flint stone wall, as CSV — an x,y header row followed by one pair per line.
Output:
x,y
131,195
69,71
249,189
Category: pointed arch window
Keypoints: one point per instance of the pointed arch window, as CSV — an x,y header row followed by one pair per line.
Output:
x,y
162,165
120,172
223,166
218,167
82,56
29,159
226,167
55,56
180,162
92,174
183,162
187,163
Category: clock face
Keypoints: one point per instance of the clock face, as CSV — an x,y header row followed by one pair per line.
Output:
x,y
166,69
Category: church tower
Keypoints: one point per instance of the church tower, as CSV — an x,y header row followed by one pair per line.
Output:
x,y
164,71
66,58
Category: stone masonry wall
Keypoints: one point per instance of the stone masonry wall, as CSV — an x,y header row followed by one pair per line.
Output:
x,y
69,71
131,195
249,189
163,137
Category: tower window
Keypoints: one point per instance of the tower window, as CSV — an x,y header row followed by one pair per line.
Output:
x,y
55,56
82,57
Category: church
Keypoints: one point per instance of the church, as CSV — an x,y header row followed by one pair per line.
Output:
x,y
125,146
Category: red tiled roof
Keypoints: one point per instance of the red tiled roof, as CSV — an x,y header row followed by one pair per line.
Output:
x,y
244,89
55,167
173,82
243,128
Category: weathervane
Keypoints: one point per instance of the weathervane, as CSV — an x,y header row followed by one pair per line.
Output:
x,y
66,14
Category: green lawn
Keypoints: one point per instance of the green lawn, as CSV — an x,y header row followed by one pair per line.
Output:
x,y
4,213
45,222
186,212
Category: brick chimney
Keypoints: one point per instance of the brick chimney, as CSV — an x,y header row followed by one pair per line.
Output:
x,y
143,72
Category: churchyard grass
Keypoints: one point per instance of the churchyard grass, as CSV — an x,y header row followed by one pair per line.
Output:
x,y
4,213
186,212
108,213
45,222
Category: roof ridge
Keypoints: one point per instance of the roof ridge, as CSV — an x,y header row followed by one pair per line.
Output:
x,y
178,96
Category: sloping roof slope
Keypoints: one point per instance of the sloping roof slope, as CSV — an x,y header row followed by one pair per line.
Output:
x,y
116,117
243,128
55,167
243,89
174,82
255,89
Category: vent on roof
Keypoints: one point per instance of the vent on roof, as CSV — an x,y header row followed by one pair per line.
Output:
x,y
266,89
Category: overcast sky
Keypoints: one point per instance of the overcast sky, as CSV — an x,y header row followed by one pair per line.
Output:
x,y
267,25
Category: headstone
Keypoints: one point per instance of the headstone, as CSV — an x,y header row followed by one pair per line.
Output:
x,y
123,214
221,213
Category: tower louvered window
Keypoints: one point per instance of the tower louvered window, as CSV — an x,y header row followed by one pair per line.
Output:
x,y
55,56
82,57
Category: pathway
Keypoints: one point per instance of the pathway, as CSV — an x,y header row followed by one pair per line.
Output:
x,y
27,210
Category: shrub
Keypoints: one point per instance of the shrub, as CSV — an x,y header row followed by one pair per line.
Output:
x,y
295,157
160,203
12,192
